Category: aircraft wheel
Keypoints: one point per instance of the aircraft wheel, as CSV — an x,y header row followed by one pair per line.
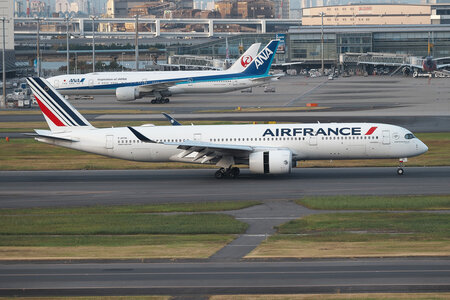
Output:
x,y
166,100
153,101
234,172
219,174
400,171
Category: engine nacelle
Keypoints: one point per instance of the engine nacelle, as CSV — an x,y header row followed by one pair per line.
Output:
x,y
271,162
127,93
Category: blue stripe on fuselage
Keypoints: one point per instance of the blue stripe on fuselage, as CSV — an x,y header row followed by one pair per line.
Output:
x,y
185,80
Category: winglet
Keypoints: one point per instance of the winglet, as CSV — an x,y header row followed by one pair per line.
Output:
x,y
140,136
171,120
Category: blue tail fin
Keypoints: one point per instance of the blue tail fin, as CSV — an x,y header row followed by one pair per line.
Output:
x,y
261,64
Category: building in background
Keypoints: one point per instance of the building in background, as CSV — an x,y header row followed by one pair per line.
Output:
x,y
203,4
7,11
281,8
377,14
250,9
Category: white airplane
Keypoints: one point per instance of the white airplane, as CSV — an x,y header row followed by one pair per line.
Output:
x,y
248,71
266,148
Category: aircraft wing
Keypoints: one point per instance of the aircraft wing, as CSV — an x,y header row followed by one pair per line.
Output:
x,y
203,152
158,86
441,58
393,64
266,79
442,66
200,151
288,64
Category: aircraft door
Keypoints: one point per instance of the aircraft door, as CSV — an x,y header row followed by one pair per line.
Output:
x,y
197,136
56,84
91,82
313,140
109,142
190,81
386,137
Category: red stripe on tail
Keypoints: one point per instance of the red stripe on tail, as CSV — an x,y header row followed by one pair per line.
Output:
x,y
49,114
371,130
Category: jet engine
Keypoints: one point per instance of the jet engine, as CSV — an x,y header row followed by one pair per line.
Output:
x,y
271,162
127,93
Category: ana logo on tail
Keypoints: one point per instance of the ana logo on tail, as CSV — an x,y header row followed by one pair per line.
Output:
x,y
262,57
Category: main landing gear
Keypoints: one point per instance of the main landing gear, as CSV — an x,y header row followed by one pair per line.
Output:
x,y
160,100
401,162
230,173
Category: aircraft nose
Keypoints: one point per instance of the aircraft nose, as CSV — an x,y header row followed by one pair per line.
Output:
x,y
421,147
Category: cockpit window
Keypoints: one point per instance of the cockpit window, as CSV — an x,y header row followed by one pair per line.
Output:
x,y
409,136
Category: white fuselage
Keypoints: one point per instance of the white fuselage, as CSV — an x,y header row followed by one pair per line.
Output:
x,y
106,83
305,141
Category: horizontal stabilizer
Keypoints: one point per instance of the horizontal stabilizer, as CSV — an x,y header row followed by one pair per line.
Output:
x,y
48,135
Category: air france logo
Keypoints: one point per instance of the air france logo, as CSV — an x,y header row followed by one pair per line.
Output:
x,y
77,80
246,60
320,131
262,57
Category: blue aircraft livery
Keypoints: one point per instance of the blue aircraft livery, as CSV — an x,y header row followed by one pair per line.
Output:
x,y
129,86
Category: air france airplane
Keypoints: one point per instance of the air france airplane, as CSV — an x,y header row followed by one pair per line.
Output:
x,y
266,149
248,71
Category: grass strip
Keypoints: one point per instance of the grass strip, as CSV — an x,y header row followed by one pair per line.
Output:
x,y
355,296
411,202
91,298
126,209
169,240
360,235
118,231
28,154
122,224
286,247
432,224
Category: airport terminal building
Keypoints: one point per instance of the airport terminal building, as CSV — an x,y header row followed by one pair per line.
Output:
x,y
382,28
303,43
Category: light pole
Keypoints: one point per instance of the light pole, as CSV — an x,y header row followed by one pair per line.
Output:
x,y
3,102
322,14
136,45
38,47
122,60
93,42
76,63
66,18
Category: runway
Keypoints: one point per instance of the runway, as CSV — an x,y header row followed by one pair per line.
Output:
x,y
207,278
112,187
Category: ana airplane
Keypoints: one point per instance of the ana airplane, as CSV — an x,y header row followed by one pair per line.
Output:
x,y
266,149
247,72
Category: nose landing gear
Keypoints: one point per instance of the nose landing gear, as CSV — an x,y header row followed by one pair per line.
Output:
x,y
230,173
401,162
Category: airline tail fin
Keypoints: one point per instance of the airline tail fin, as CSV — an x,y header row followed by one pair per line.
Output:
x,y
58,113
245,59
262,62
